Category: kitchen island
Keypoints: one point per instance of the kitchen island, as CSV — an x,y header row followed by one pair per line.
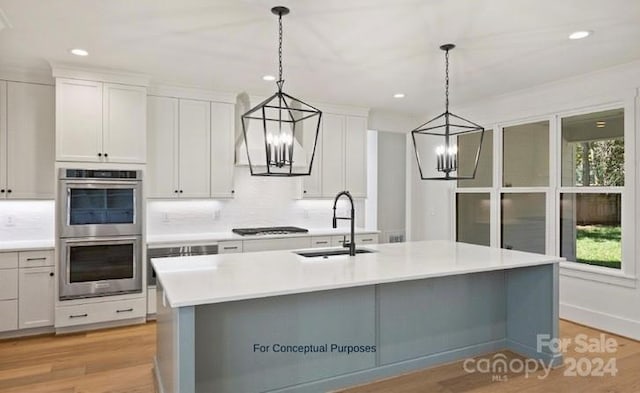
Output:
x,y
280,322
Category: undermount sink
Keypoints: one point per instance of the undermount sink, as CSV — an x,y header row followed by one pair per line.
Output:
x,y
330,253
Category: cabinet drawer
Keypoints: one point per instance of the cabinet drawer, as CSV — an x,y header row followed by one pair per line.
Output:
x,y
367,239
35,258
290,243
338,241
100,312
8,260
8,284
9,312
321,241
230,247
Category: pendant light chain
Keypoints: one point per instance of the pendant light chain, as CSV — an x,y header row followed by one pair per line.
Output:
x,y
280,52
446,57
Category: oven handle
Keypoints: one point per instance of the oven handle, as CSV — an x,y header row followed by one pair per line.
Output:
x,y
101,240
101,184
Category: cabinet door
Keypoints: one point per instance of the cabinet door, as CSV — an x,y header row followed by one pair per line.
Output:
x,y
312,184
3,139
9,312
222,150
36,296
78,120
162,147
332,154
125,127
194,156
356,156
290,243
30,140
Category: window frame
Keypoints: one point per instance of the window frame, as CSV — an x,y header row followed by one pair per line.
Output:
x,y
626,275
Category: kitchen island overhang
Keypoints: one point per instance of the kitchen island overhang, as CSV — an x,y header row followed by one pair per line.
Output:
x,y
279,322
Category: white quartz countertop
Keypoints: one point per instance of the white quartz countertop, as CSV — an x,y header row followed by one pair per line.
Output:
x,y
26,245
205,279
212,237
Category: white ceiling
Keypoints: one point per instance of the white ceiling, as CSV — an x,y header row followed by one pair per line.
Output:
x,y
357,52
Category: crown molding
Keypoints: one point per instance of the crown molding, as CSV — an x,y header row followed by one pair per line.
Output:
x,y
62,70
27,75
191,93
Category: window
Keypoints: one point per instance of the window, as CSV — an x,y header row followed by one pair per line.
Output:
x,y
473,201
526,155
592,172
561,189
472,225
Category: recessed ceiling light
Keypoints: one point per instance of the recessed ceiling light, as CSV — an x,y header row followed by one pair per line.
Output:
x,y
578,35
601,124
79,52
398,95
269,78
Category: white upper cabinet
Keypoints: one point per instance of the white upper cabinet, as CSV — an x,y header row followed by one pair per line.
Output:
x,y
78,120
190,148
26,141
341,158
124,127
312,184
194,148
100,122
3,139
162,147
356,156
333,154
222,150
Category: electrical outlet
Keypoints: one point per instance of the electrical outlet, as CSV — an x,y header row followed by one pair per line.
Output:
x,y
305,213
216,214
10,222
165,217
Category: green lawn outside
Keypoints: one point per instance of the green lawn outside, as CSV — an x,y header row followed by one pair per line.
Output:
x,y
599,245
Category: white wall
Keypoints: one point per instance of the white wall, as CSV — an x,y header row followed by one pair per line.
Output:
x,y
610,303
259,201
26,220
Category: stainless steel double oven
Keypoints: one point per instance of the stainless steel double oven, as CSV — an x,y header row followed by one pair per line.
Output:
x,y
99,232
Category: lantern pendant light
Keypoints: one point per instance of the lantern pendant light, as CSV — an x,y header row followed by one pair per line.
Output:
x,y
280,123
443,135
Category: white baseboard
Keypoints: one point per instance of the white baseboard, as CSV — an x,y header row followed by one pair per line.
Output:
x,y
602,321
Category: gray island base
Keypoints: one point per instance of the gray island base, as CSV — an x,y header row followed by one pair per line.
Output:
x,y
356,334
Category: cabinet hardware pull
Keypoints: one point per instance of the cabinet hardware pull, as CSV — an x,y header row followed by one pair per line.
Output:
x,y
51,274
99,154
233,191
37,259
367,240
176,191
106,155
125,310
9,191
305,191
322,242
180,191
79,316
230,248
2,191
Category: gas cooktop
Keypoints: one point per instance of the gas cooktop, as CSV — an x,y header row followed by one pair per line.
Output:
x,y
268,231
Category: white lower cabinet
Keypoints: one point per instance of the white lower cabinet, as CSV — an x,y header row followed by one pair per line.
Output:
x,y
35,297
9,312
8,291
230,247
361,239
320,241
107,311
27,289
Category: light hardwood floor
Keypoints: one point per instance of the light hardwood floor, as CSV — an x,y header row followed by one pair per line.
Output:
x,y
120,361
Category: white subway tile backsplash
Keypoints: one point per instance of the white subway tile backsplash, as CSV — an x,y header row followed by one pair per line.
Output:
x,y
259,201
26,220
